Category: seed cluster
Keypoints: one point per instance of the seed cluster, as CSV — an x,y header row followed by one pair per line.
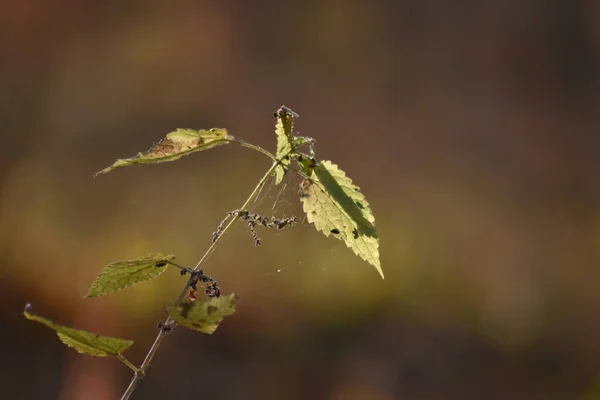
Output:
x,y
165,327
253,220
211,287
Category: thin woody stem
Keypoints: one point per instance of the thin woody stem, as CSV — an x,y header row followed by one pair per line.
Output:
x,y
175,264
128,363
253,147
141,371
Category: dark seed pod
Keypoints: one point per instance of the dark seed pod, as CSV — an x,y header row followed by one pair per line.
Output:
x,y
164,327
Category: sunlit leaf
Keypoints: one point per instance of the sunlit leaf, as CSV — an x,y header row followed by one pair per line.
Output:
x,y
204,316
337,207
174,146
284,129
300,140
121,274
83,341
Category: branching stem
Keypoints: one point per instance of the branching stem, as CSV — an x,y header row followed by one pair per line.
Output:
x,y
141,371
128,363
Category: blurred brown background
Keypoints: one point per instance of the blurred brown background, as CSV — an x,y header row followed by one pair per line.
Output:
x,y
470,126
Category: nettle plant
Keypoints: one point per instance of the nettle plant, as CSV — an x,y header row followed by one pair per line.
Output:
x,y
332,203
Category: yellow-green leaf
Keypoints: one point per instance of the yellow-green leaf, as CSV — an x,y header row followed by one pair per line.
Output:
x,y
174,146
284,129
337,207
204,316
121,274
83,341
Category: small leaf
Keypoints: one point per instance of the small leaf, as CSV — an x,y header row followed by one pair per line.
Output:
x,y
174,146
121,274
284,129
336,206
83,341
204,316
301,140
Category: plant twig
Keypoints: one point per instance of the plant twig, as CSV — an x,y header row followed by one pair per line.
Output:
x,y
253,147
128,363
175,264
141,371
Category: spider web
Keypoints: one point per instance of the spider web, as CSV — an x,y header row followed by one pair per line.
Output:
x,y
283,201
280,200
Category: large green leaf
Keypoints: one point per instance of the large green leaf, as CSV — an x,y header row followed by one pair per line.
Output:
x,y
204,316
337,207
284,129
174,146
83,341
121,274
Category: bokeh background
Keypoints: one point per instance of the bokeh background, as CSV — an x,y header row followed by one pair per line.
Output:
x,y
470,126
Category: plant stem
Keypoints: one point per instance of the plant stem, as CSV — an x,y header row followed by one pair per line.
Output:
x,y
243,208
128,363
253,147
139,374
141,371
175,265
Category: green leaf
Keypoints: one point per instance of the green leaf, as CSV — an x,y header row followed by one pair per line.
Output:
x,y
204,316
301,140
306,164
284,129
121,274
337,207
83,341
174,146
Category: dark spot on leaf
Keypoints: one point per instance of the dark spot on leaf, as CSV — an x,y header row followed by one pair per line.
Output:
x,y
355,233
336,231
211,309
360,205
161,264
